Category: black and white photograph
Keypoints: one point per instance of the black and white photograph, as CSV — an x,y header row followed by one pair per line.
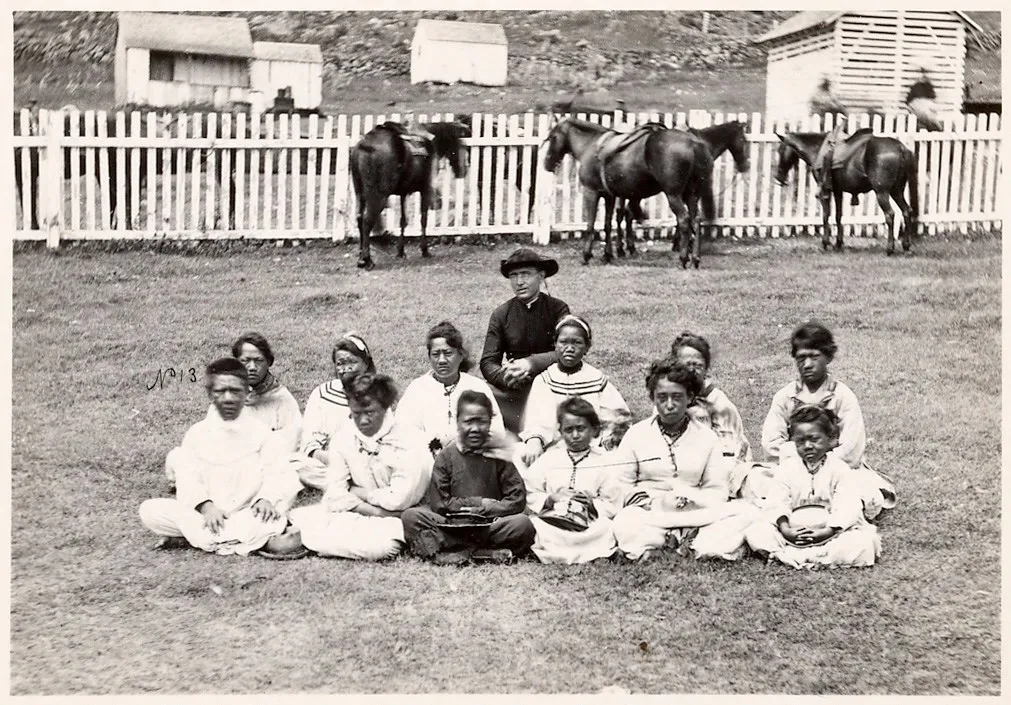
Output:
x,y
300,401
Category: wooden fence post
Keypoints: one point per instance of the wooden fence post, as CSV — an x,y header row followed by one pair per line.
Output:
x,y
343,217
51,177
544,192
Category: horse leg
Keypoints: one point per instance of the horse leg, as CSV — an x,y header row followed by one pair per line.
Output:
x,y
907,215
366,221
403,227
677,205
826,234
695,230
838,196
590,199
424,225
608,213
884,200
619,210
633,212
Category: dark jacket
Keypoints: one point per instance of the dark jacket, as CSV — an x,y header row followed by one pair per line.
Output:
x,y
462,480
519,332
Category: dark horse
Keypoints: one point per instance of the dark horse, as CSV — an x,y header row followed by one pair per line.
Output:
x,y
392,160
649,160
864,162
719,138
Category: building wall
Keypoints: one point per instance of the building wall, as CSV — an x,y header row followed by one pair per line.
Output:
x,y
138,68
872,58
173,93
305,80
207,80
882,52
456,62
794,71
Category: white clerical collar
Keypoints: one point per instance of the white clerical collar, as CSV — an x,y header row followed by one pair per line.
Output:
x,y
532,301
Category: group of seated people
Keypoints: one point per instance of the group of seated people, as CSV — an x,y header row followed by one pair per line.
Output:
x,y
541,459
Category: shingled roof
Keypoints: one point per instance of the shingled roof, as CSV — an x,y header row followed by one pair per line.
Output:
x,y
186,34
286,51
475,32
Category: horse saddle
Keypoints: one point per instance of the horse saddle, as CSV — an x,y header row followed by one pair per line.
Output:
x,y
610,144
852,147
416,143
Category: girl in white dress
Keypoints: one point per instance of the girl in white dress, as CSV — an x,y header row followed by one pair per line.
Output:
x,y
429,403
570,377
815,477
573,492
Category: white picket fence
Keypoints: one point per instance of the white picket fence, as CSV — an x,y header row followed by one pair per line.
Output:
x,y
292,179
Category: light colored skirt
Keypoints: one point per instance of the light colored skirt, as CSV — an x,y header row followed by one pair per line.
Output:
x,y
242,533
858,546
347,534
554,544
720,529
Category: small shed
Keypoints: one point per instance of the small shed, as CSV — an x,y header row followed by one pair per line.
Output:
x,y
871,57
167,60
297,68
459,52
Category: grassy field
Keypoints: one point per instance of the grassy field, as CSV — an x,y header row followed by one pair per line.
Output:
x,y
95,610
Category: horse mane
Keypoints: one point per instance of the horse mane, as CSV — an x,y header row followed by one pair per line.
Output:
x,y
586,125
446,136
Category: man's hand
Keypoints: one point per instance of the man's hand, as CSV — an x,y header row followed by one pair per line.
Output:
x,y
214,518
265,511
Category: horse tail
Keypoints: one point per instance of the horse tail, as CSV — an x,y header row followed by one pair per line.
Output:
x,y
708,199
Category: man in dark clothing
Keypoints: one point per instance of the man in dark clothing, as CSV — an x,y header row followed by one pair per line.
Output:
x,y
466,480
922,102
519,344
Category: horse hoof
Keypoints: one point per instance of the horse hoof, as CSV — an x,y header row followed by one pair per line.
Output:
x,y
824,247
366,264
426,254
621,253
587,256
401,254
696,263
684,263
608,258
890,252
838,247
905,247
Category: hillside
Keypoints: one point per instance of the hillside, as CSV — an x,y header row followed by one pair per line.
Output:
x,y
653,60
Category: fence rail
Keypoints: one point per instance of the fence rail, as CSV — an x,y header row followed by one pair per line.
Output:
x,y
98,175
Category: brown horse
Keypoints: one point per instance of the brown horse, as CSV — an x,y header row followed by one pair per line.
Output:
x,y
392,160
634,166
865,162
719,138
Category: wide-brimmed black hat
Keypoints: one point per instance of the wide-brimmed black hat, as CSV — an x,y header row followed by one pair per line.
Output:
x,y
525,257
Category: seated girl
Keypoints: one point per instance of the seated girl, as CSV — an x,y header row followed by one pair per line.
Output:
x,y
570,377
813,348
429,403
326,410
815,482
376,470
674,477
572,491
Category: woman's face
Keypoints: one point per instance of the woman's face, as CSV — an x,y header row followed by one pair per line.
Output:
x,y
367,414
255,363
571,346
346,363
671,400
444,359
693,360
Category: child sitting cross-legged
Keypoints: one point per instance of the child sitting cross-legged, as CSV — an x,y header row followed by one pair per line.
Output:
x,y
467,479
573,492
813,514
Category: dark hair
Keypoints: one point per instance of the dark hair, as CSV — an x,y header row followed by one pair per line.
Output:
x,y
350,343
257,341
672,371
470,396
690,340
454,339
825,419
814,336
226,366
369,385
576,406
570,320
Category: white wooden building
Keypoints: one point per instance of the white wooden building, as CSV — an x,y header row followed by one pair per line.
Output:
x,y
871,57
277,66
173,60
459,52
